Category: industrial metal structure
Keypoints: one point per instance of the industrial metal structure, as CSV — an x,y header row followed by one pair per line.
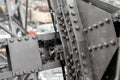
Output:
x,y
85,43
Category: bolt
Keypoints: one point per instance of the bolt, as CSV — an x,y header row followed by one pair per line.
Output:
x,y
34,37
73,67
67,38
26,38
63,25
70,30
61,18
100,46
106,45
19,39
85,30
73,35
32,70
73,13
90,28
94,47
73,41
84,63
73,74
86,71
117,16
76,52
77,27
112,43
11,40
68,64
95,25
75,20
78,70
65,31
71,5
83,55
107,20
89,49
74,48
101,23
71,60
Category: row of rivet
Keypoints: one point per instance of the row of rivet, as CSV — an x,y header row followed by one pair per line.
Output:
x,y
26,71
83,55
95,26
101,46
69,61
19,39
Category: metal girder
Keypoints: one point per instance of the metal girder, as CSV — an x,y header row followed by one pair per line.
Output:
x,y
99,28
23,57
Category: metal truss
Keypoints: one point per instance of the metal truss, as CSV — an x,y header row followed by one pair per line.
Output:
x,y
86,44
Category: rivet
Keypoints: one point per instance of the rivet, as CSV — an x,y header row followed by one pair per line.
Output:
x,y
19,39
63,25
60,23
112,43
34,37
74,48
67,38
71,5
63,36
70,30
73,67
73,74
77,27
68,64
73,35
75,20
67,57
78,70
69,71
58,17
94,47
84,63
90,28
76,60
26,38
88,78
117,16
73,13
86,71
78,65
11,40
95,26
89,49
71,53
85,30
106,45
61,18
65,31
100,46
39,69
76,52
73,41
71,60
83,55
24,71
101,23
107,20
69,23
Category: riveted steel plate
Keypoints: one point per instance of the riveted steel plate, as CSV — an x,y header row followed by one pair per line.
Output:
x,y
24,55
100,36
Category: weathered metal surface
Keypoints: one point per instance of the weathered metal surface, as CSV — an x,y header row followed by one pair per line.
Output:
x,y
24,55
99,28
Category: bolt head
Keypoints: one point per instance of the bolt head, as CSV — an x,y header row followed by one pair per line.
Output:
x,y
77,27
107,20
101,23
95,26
